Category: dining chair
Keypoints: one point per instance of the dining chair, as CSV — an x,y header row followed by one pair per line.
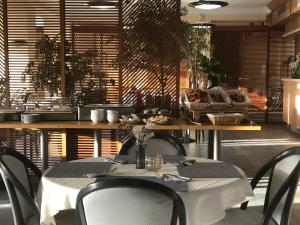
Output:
x,y
14,170
284,171
133,201
160,143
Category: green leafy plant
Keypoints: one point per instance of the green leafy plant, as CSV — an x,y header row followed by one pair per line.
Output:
x,y
81,68
44,69
151,33
194,45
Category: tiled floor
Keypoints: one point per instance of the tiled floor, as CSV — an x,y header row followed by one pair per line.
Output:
x,y
248,150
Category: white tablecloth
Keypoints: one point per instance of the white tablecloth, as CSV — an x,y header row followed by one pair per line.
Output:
x,y
206,200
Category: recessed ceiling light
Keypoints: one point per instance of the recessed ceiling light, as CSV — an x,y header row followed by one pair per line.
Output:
x,y
208,4
103,4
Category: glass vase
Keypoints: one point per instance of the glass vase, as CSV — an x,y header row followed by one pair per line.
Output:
x,y
140,157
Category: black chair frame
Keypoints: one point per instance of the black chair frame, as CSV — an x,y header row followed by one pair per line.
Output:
x,y
14,184
124,182
289,187
164,136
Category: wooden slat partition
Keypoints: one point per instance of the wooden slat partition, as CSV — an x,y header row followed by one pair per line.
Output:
x,y
27,22
143,78
243,54
85,28
97,30
3,47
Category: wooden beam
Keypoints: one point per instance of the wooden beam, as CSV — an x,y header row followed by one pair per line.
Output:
x,y
250,28
62,48
178,8
120,56
6,54
95,29
274,4
267,76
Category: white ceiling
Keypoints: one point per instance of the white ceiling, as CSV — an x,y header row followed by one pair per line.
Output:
x,y
237,11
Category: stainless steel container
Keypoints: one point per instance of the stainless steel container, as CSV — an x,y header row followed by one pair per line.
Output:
x,y
123,109
56,115
10,115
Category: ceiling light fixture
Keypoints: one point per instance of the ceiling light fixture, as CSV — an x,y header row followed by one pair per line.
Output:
x,y
203,25
208,4
103,4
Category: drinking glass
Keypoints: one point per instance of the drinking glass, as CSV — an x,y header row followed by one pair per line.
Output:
x,y
153,162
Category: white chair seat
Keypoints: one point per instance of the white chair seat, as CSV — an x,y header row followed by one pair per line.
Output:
x,y
251,216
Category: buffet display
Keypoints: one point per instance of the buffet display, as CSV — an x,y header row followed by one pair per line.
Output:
x,y
215,102
215,99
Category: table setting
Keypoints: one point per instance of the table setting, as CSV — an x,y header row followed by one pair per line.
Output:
x,y
207,187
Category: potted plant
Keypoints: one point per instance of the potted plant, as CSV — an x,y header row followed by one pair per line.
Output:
x,y
152,28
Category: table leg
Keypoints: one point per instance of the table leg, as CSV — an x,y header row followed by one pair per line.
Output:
x,y
186,136
97,143
214,144
44,149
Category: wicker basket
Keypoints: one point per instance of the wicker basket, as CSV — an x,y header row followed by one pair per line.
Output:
x,y
225,118
195,106
243,104
219,105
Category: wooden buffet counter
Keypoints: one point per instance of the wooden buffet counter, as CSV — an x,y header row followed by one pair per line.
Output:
x,y
214,135
291,102
176,125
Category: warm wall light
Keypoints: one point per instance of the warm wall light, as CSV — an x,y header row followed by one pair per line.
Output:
x,y
103,4
208,4
297,104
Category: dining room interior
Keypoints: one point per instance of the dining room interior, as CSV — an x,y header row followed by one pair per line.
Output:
x,y
149,112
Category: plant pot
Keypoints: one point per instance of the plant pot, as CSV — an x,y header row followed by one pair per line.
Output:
x,y
140,157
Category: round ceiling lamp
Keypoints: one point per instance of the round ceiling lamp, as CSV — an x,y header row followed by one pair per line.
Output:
x,y
103,4
208,4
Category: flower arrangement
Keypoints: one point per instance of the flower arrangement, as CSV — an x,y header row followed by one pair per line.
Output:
x,y
142,134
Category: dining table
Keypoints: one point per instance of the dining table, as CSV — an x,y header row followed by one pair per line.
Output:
x,y
215,186
214,132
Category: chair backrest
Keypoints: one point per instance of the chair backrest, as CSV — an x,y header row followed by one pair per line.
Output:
x,y
284,176
160,143
278,179
131,201
14,171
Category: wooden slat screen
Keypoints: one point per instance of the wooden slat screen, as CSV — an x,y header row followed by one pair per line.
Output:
x,y
280,50
85,28
142,78
297,44
253,57
81,143
28,21
97,30
27,142
243,57
107,47
3,100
